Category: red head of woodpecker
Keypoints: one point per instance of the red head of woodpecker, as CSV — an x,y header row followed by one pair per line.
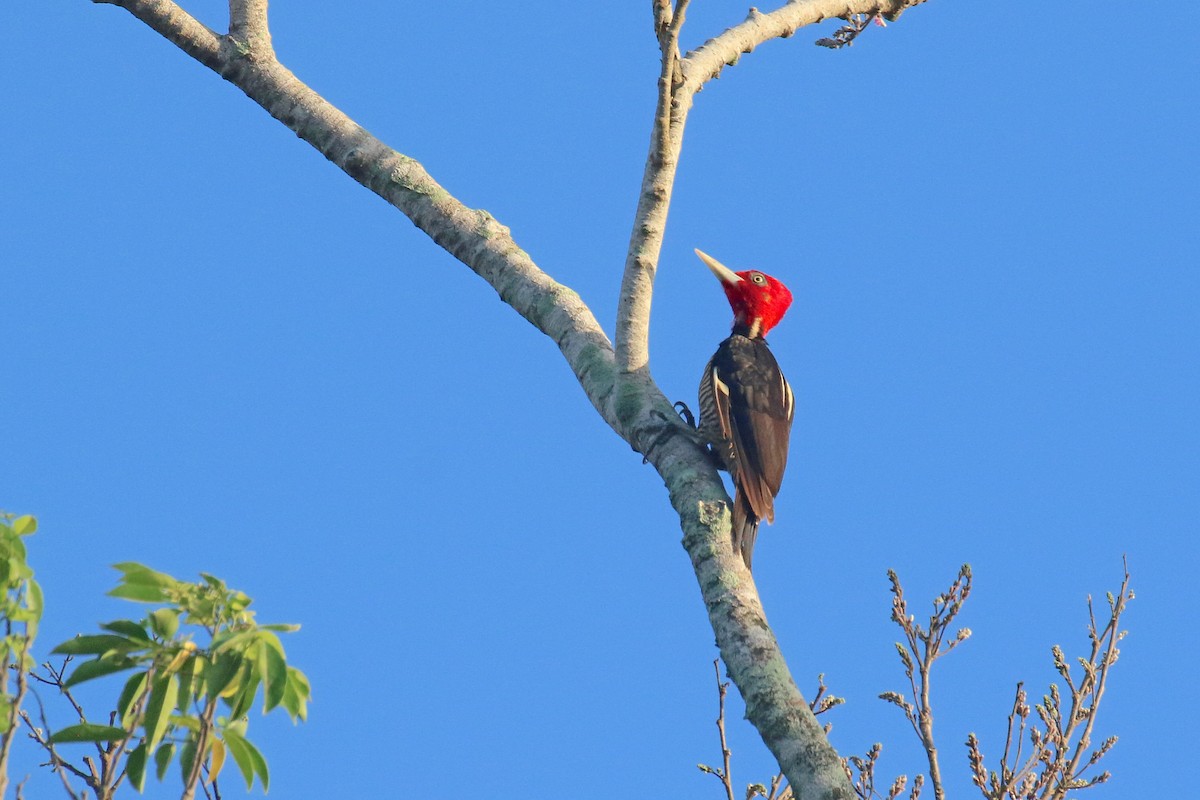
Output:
x,y
758,300
746,405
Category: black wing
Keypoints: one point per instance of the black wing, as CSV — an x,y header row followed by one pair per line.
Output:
x,y
754,407
746,410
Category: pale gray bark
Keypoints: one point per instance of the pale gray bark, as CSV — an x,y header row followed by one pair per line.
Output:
x,y
617,379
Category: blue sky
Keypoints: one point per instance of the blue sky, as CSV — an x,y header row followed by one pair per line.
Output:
x,y
223,355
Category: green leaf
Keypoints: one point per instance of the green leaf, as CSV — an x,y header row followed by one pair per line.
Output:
x,y
185,721
127,628
239,748
233,641
187,756
23,526
269,639
34,600
163,692
291,701
129,694
17,569
281,627
162,758
243,698
189,686
135,766
164,622
96,644
133,572
275,675
140,593
139,582
214,582
88,732
260,765
98,668
239,602
295,698
222,672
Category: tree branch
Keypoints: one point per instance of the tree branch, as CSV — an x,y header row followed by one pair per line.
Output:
x,y
706,62
680,78
471,235
654,199
177,27
755,663
248,25
17,661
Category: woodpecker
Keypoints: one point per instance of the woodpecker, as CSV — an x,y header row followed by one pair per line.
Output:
x,y
746,405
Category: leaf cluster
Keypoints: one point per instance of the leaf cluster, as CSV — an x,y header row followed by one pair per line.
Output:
x,y
200,653
21,601
21,607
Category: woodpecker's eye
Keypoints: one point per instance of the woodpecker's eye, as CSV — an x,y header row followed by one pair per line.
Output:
x,y
759,279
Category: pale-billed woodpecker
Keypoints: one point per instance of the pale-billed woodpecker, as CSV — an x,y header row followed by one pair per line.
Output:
x,y
746,405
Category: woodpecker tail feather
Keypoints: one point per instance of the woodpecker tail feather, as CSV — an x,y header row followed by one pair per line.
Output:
x,y
745,528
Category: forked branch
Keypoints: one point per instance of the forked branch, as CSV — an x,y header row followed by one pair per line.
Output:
x,y
680,79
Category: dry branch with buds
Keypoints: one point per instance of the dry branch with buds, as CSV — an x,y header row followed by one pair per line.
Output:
x,y
861,771
777,790
1060,748
921,647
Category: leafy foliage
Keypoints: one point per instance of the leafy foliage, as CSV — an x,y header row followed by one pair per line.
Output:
x,y
198,663
20,611
22,599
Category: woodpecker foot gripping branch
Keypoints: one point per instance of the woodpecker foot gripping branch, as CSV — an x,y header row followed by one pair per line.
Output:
x,y
685,413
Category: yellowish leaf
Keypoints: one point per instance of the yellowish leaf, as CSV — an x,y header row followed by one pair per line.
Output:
x,y
218,760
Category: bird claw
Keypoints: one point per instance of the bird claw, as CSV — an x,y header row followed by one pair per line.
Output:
x,y
685,413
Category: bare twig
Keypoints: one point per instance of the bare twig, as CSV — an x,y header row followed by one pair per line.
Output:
x,y
706,62
57,679
17,665
778,791
921,648
861,771
60,765
107,777
202,742
723,772
822,702
1060,747
845,35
